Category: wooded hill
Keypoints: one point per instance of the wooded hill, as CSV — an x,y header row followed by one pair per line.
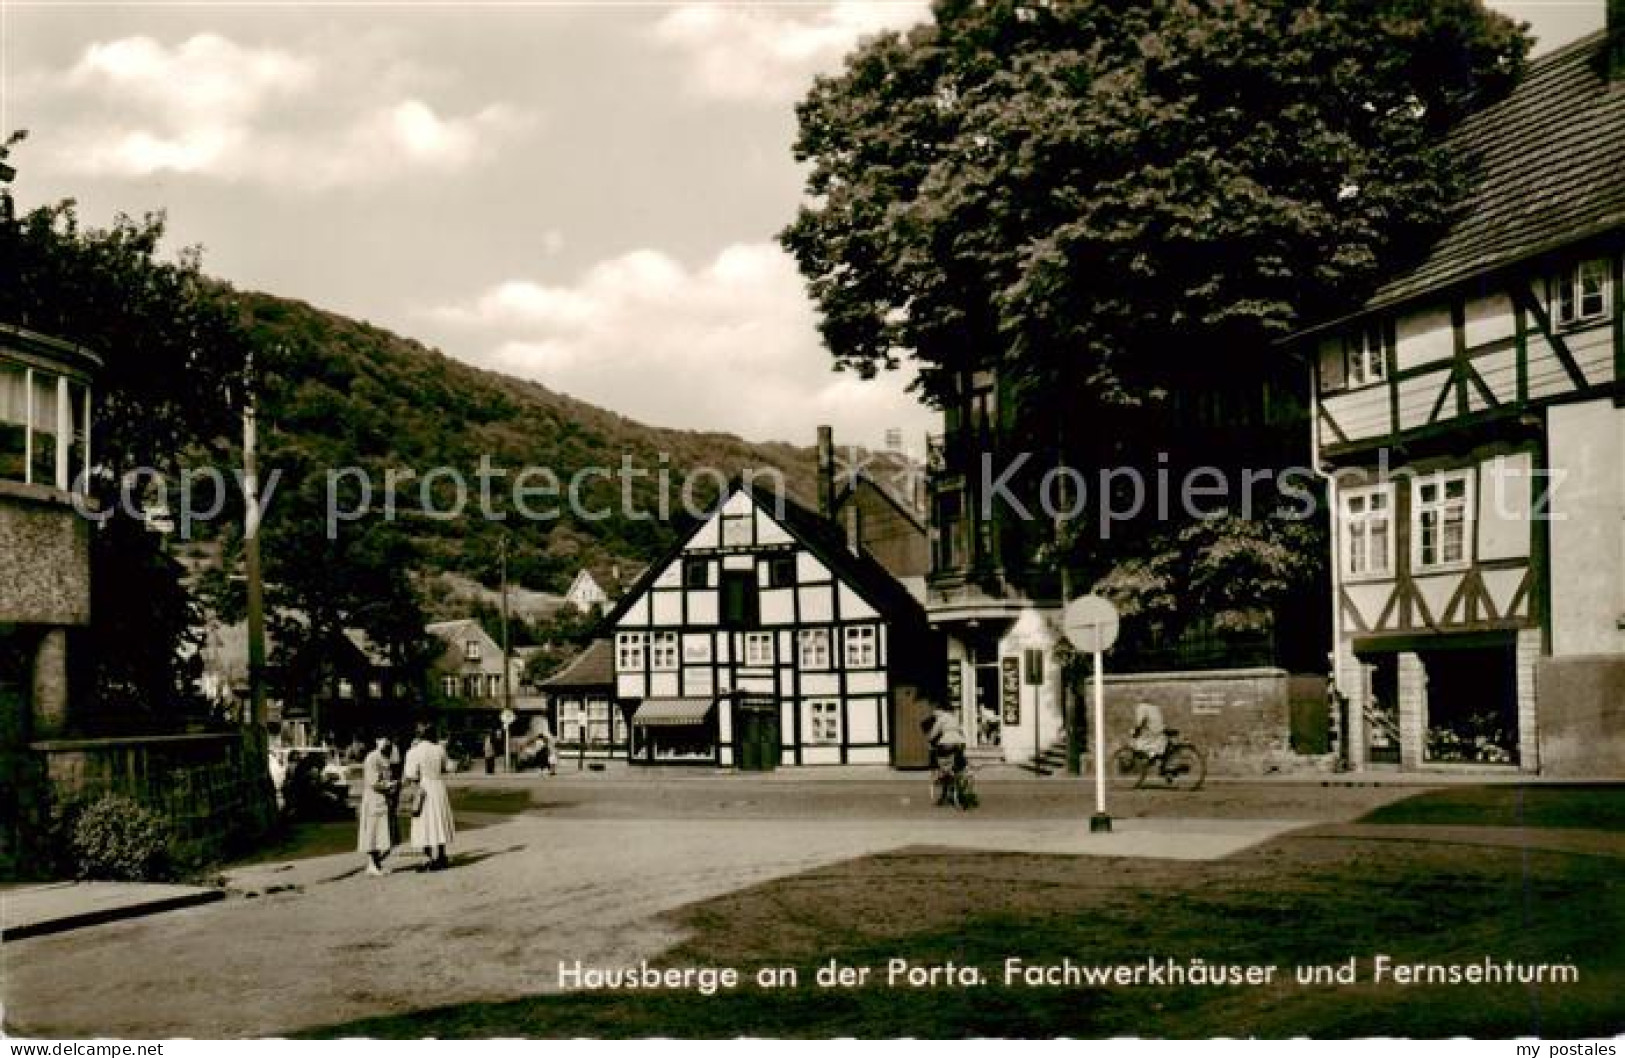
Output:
x,y
336,393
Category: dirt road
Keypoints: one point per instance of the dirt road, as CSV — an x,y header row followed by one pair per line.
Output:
x,y
588,875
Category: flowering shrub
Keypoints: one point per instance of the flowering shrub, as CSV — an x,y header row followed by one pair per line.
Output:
x,y
1477,739
116,839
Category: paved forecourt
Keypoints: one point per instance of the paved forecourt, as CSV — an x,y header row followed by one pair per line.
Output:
x,y
317,942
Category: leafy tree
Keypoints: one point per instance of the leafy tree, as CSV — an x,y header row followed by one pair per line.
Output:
x,y
1122,207
174,355
560,638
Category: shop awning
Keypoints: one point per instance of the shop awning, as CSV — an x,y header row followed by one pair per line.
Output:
x,y
673,712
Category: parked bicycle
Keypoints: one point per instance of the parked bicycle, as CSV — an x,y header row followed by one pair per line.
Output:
x,y
956,788
1180,765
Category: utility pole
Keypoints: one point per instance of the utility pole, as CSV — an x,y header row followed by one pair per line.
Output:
x,y
251,551
507,663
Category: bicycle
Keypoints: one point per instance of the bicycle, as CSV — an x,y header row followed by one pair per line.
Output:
x,y
1180,766
957,789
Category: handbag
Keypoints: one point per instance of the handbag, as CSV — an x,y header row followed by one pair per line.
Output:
x,y
419,796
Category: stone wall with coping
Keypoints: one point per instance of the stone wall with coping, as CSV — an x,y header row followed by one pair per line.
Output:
x,y
213,789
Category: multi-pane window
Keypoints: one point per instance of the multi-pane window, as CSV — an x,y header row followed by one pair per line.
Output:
x,y
781,572
758,648
44,426
824,722
449,686
1368,532
1580,293
471,650
630,651
663,652
493,686
1364,354
814,648
860,647
1441,519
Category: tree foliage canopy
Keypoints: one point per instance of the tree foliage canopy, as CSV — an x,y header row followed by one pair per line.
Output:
x,y
174,357
1120,208
1113,194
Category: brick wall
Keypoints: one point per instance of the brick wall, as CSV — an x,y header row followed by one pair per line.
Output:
x,y
1241,719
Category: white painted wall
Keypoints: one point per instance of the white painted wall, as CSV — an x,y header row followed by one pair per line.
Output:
x,y
1587,447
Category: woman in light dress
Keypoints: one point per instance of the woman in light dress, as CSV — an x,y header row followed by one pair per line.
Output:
x,y
432,829
377,785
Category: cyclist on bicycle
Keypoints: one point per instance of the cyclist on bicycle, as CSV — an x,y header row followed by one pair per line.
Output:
x,y
1150,735
947,738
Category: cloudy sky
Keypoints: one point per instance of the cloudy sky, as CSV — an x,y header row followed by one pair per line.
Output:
x,y
585,194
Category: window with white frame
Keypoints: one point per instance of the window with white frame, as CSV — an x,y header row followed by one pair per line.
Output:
x,y
1580,294
346,689
824,722
758,648
1366,360
1441,519
697,649
493,686
449,686
471,650
814,648
860,647
663,656
1368,532
629,651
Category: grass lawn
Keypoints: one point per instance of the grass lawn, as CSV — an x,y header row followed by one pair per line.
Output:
x,y
310,838
1319,896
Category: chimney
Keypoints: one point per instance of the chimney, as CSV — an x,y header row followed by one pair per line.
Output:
x,y
1616,41
826,471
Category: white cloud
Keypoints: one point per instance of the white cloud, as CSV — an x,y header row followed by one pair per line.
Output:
x,y
732,346
315,119
771,54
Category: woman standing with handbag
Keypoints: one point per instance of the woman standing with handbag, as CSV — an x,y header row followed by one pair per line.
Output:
x,y
377,790
432,828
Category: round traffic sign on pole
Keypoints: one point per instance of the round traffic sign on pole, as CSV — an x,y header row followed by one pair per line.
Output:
x,y
1090,623
508,717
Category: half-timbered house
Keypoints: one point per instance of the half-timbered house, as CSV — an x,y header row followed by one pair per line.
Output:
x,y
763,638
1470,420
